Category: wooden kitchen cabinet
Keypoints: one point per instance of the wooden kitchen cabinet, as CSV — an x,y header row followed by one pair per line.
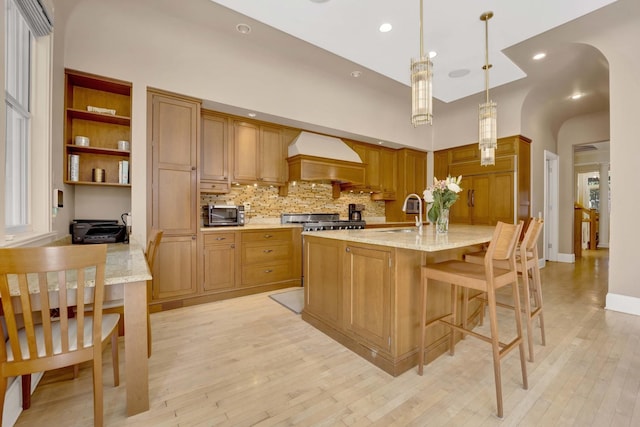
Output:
x,y
323,280
367,295
499,192
380,171
412,178
259,154
214,154
219,255
174,271
83,91
174,124
270,256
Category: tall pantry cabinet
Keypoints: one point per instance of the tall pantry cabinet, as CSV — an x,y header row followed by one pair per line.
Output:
x,y
174,124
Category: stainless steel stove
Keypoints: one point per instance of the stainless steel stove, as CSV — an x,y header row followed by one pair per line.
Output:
x,y
321,221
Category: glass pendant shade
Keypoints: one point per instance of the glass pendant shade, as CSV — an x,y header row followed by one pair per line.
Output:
x,y
421,95
488,133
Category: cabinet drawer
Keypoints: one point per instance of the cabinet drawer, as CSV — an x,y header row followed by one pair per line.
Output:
x,y
214,187
266,235
218,238
263,253
258,275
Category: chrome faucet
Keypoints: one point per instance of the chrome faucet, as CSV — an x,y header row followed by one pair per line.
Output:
x,y
419,217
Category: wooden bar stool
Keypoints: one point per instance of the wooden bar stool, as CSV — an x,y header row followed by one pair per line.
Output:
x,y
527,265
484,278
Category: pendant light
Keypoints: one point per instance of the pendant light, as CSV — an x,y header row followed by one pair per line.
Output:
x,y
421,78
488,132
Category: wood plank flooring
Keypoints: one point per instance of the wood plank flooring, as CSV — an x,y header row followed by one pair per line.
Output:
x,y
251,362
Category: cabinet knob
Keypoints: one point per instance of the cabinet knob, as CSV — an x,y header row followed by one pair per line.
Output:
x,y
232,246
221,238
193,168
268,271
348,249
193,237
266,251
268,236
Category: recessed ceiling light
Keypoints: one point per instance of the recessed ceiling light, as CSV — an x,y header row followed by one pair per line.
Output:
x,y
380,142
251,114
356,74
243,28
577,95
433,54
385,28
539,56
319,1
456,74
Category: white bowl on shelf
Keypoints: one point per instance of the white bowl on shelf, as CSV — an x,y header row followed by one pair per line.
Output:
x,y
82,141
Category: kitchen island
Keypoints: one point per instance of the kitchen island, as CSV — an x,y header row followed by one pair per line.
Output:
x,y
362,288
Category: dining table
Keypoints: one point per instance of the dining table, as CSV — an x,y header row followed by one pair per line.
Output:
x,y
126,277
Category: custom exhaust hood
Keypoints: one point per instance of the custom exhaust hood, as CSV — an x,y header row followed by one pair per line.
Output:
x,y
315,157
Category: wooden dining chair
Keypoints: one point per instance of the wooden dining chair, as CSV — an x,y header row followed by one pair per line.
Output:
x,y
484,278
150,254
33,281
529,270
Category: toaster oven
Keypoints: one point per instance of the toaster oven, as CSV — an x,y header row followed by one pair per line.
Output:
x,y
223,215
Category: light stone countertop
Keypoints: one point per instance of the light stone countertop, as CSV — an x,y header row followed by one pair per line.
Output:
x,y
459,235
250,226
125,264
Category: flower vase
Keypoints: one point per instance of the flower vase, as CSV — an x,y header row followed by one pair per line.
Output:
x,y
442,222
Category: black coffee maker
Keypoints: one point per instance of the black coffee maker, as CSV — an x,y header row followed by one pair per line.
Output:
x,y
355,212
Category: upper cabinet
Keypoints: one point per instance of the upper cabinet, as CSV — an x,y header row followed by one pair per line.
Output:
x,y
97,130
500,192
214,153
259,154
380,171
411,177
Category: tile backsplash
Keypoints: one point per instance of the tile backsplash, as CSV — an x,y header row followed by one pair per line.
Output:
x,y
264,203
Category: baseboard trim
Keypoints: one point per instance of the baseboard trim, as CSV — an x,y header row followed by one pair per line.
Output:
x,y
13,399
623,304
570,258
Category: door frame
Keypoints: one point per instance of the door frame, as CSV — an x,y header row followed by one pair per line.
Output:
x,y
551,202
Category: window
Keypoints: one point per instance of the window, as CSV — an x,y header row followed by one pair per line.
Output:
x,y
25,146
17,95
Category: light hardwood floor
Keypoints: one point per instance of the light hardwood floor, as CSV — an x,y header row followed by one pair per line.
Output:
x,y
250,361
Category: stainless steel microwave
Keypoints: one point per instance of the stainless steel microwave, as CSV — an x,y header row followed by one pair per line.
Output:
x,y
223,215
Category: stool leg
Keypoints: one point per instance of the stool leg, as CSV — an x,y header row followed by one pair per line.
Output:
x,y
527,307
495,347
523,362
423,321
454,316
538,299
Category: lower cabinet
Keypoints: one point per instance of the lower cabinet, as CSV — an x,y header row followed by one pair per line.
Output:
x,y
367,294
175,268
219,254
367,297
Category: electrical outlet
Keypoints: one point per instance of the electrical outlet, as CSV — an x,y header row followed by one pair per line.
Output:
x,y
247,207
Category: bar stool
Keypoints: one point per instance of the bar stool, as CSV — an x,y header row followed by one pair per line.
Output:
x,y
484,278
527,266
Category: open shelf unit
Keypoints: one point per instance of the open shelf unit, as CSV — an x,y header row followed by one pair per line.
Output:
x,y
104,130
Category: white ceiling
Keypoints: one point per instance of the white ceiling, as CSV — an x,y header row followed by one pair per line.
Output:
x,y
452,28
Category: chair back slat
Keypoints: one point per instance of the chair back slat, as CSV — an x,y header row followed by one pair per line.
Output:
x,y
504,240
33,281
530,240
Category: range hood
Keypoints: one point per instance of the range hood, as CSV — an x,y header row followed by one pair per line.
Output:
x,y
315,157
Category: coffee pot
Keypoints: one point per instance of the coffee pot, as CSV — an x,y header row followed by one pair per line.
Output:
x,y
355,212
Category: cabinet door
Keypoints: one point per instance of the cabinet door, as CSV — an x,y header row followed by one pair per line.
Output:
x,y
214,155
174,139
245,152
367,290
174,272
272,156
502,198
388,171
322,279
460,212
481,203
219,267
